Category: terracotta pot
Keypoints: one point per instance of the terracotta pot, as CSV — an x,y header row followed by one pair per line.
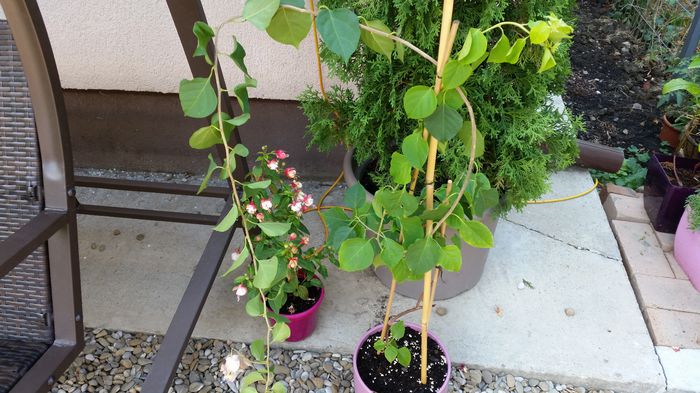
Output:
x,y
669,133
452,283
686,249
664,201
360,386
303,324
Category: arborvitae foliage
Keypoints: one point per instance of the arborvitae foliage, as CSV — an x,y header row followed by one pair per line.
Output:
x,y
510,101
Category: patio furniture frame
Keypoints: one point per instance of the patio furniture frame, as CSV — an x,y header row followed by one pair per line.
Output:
x,y
57,223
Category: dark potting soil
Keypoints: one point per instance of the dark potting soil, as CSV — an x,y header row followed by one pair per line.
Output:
x,y
689,177
383,377
610,87
296,305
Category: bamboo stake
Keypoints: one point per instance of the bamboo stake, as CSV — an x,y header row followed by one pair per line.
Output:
x,y
437,272
444,50
442,60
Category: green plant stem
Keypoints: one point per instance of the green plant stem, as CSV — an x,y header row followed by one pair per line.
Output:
x,y
372,30
500,25
239,205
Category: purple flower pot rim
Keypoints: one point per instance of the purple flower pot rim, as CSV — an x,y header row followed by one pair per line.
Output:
x,y
416,327
304,314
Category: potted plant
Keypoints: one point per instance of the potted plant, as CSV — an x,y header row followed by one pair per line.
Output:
x,y
275,195
281,282
679,110
686,246
514,122
404,228
672,179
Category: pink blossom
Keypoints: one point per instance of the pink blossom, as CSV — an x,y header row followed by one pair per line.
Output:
x,y
273,164
290,172
260,217
295,206
250,208
293,263
296,185
281,154
292,236
308,200
266,204
299,196
235,254
304,241
240,290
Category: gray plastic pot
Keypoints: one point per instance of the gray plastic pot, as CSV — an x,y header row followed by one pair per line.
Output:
x,y
451,283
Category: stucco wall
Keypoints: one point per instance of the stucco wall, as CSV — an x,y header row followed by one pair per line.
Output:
x,y
132,45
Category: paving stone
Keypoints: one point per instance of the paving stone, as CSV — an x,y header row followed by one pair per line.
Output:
x,y
677,269
611,188
640,249
682,369
667,293
625,208
665,240
674,328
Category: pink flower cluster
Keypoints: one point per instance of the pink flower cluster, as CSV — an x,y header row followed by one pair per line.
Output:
x,y
294,260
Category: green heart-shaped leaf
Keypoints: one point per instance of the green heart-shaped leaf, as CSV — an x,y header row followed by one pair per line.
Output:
x,y
289,26
340,31
197,97
419,102
444,123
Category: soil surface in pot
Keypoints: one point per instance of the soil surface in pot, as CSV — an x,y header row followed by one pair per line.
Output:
x,y
384,377
613,90
688,177
296,305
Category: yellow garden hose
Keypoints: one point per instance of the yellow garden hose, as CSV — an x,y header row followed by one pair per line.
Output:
x,y
579,195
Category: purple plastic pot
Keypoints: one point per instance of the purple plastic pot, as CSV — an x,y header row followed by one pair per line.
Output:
x,y
686,249
303,324
360,386
663,201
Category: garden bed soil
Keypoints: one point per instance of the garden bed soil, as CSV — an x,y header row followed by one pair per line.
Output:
x,y
296,305
383,377
611,87
690,178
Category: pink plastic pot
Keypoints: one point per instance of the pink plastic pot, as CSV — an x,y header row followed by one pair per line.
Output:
x,y
360,386
303,324
686,249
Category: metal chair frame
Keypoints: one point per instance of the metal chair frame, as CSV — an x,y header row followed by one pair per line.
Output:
x,y
56,224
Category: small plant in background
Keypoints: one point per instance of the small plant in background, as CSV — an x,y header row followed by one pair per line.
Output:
x,y
677,104
633,172
690,116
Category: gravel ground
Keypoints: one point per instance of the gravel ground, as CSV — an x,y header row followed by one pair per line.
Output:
x,y
115,361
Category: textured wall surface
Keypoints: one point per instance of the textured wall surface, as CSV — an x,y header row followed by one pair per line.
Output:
x,y
132,45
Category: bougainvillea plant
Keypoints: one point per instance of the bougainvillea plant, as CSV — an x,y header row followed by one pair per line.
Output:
x,y
405,232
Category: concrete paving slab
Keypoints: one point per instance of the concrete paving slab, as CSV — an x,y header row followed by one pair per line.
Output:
x,y
667,293
674,328
625,208
677,269
682,369
577,222
666,240
640,249
135,285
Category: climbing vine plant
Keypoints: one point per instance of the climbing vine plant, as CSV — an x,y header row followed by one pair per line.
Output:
x,y
405,232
